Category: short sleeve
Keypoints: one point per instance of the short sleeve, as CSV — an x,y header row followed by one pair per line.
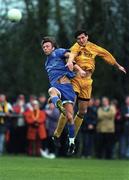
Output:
x,y
61,52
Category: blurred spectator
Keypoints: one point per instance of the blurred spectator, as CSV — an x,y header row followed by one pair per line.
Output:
x,y
125,137
96,103
105,129
5,109
52,118
42,101
29,105
88,130
17,143
119,127
36,132
19,109
51,123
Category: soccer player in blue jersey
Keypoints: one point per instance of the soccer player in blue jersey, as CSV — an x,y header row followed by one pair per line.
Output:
x,y
61,91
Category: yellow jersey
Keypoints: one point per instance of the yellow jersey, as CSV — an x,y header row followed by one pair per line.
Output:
x,y
85,57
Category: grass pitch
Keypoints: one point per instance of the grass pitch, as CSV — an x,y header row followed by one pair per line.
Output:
x,y
29,168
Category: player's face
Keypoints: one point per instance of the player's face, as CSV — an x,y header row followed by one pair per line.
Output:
x,y
82,39
48,48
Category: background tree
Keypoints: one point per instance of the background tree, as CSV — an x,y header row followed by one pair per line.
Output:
x,y
21,58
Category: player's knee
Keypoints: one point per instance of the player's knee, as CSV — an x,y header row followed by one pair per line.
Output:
x,y
82,113
52,91
69,117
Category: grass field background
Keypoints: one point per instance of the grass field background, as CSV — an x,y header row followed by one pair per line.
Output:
x,y
30,168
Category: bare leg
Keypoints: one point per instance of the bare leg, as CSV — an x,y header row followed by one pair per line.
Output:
x,y
70,120
55,98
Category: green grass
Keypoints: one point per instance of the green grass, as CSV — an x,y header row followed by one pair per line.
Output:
x,y
29,168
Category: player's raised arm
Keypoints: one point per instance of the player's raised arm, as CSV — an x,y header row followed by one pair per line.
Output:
x,y
72,65
107,56
70,58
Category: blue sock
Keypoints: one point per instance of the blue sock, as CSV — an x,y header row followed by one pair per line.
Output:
x,y
54,99
71,130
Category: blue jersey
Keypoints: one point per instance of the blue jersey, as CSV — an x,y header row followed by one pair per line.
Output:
x,y
55,66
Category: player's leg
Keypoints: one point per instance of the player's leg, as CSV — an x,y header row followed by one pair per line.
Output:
x,y
83,102
60,125
62,119
55,96
69,116
68,98
82,109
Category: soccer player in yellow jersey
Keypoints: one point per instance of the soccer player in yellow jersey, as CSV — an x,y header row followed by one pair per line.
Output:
x,y
83,53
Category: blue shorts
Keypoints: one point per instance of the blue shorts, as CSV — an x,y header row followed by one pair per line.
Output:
x,y
67,92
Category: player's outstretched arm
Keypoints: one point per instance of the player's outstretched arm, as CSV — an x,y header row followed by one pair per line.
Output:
x,y
107,56
70,59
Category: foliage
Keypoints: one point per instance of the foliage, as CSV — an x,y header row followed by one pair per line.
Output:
x,y
21,58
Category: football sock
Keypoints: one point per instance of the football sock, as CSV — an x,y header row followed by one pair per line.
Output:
x,y
71,130
60,126
54,99
77,122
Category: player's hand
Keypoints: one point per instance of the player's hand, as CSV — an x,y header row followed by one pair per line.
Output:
x,y
121,68
69,65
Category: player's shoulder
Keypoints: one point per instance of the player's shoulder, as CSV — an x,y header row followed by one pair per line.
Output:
x,y
91,44
94,45
75,46
58,49
61,50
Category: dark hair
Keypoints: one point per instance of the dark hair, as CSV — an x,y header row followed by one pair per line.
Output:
x,y
78,32
49,39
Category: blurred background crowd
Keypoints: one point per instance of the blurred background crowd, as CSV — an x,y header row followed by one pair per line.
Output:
x,y
27,126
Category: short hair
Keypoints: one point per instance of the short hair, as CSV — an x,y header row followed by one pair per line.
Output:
x,y
78,32
49,39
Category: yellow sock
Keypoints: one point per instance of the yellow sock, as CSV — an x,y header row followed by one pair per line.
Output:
x,y
60,126
77,122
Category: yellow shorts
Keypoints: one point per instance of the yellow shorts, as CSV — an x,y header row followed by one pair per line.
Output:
x,y
83,86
